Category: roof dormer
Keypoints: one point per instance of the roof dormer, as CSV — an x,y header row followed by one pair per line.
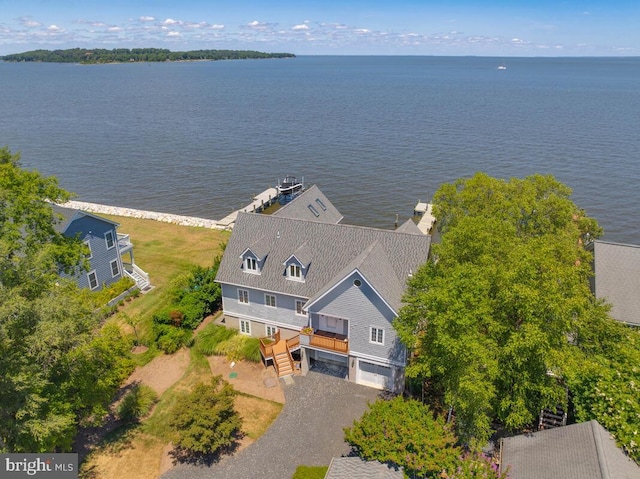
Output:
x,y
251,262
295,268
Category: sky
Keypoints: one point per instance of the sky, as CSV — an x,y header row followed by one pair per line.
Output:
x,y
329,27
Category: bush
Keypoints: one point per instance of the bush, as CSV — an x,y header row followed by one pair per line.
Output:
x,y
205,420
209,338
169,338
137,403
251,350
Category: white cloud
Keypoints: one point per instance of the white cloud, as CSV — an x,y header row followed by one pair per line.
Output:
x,y
114,29
173,34
300,27
147,19
29,22
217,27
54,28
171,21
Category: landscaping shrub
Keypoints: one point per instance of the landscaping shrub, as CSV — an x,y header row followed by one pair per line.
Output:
x,y
205,420
209,338
137,403
251,350
231,348
106,294
169,338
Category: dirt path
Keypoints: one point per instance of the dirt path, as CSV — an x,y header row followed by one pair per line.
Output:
x,y
249,378
162,372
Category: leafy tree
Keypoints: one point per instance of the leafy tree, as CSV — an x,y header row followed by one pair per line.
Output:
x,y
205,419
490,316
56,371
405,433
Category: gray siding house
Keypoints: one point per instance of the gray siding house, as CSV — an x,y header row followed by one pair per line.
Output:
x,y
108,249
321,290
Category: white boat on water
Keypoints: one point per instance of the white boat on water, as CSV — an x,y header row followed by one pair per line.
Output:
x,y
289,188
502,67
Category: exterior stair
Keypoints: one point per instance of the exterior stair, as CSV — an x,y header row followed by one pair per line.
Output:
x,y
141,281
282,359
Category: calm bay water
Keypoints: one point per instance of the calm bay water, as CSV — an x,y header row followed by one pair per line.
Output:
x,y
375,133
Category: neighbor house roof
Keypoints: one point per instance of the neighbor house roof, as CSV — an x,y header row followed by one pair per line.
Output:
x,y
580,451
617,279
357,468
311,205
70,214
385,258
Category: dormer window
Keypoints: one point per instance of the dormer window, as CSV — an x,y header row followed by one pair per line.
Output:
x,y
294,271
251,265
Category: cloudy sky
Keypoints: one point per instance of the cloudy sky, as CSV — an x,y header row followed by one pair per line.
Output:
x,y
319,27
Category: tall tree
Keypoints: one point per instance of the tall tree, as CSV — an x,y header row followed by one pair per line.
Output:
x,y
56,368
490,317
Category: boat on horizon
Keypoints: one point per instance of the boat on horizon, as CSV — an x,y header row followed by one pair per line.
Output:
x,y
502,66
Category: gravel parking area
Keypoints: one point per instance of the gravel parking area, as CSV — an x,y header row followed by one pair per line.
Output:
x,y
307,432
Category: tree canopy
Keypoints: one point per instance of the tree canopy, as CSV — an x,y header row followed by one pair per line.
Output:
x,y
58,370
121,55
503,302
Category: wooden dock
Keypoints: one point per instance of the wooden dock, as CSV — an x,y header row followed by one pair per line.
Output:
x,y
259,203
427,219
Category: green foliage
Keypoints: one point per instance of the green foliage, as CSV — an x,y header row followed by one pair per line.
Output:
x,y
211,336
82,55
137,403
106,294
405,433
310,472
205,420
490,315
170,338
475,466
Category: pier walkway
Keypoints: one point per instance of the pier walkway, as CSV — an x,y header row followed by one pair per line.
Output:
x,y
427,219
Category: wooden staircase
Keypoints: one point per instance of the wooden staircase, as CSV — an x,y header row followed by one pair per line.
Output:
x,y
282,359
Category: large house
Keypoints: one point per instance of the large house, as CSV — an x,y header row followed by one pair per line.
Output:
x,y
323,293
617,279
110,253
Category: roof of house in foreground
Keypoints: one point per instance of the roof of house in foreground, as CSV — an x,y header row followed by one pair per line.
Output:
x,y
311,205
327,248
357,468
579,451
617,279
68,215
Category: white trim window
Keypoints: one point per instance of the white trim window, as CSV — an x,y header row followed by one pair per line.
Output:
x,y
245,327
270,301
92,278
300,307
377,335
243,296
88,243
270,330
115,268
250,265
295,272
109,240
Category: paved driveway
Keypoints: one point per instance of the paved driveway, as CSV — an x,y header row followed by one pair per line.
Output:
x,y
308,431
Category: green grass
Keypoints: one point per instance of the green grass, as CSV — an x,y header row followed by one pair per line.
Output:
x,y
310,472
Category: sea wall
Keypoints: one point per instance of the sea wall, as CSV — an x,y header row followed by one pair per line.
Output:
x,y
149,215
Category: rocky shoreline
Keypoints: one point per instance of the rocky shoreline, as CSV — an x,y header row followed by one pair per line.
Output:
x,y
149,215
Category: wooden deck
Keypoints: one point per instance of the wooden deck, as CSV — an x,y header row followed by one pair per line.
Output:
x,y
427,219
279,351
259,203
330,341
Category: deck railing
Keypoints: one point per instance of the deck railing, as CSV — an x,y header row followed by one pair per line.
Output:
x,y
332,344
266,345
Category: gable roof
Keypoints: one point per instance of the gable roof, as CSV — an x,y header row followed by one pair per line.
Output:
x,y
300,207
579,451
409,227
71,214
357,468
330,249
617,279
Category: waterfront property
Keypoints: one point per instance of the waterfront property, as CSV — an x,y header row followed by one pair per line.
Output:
x,y
616,279
319,292
110,253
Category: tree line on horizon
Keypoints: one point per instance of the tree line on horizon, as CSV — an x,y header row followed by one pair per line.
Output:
x,y
122,55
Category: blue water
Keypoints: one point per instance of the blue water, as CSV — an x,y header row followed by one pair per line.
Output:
x,y
375,133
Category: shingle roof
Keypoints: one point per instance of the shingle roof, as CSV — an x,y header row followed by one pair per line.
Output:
x,y
617,279
299,208
70,214
357,468
329,248
580,451
409,227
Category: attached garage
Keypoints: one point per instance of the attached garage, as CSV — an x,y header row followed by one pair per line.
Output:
x,y
374,375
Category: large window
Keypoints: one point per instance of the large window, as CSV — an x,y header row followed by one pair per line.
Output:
x,y
270,330
270,300
92,277
115,268
243,296
299,306
108,237
245,326
377,335
294,271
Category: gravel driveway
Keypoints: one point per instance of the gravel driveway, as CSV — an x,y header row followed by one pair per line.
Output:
x,y
308,431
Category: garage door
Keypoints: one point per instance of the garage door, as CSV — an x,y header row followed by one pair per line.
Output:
x,y
374,375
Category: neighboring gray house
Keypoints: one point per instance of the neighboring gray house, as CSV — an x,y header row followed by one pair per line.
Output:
x,y
579,451
106,249
617,279
280,274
